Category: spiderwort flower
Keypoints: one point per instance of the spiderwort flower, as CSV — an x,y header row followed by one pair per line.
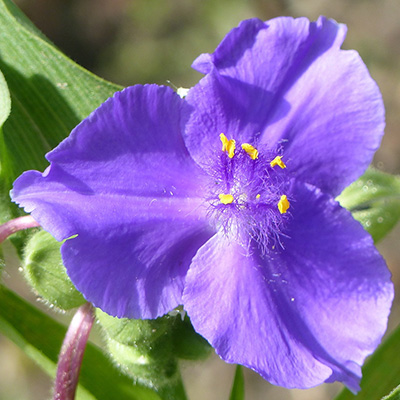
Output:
x,y
224,202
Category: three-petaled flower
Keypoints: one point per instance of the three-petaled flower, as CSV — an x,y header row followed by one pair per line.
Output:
x,y
224,201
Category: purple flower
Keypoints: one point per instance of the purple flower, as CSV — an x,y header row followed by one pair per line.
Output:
x,y
225,202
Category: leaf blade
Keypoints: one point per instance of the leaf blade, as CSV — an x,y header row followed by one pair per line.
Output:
x,y
381,372
374,200
237,392
50,93
393,395
5,100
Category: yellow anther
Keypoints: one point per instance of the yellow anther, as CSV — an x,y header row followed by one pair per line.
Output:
x,y
277,161
250,150
226,198
258,196
283,204
228,145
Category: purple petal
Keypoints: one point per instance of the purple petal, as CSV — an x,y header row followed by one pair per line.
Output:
x,y
134,270
286,83
124,182
307,312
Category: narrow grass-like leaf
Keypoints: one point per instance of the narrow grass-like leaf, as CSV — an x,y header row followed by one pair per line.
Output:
x,y
50,95
5,109
393,395
374,200
237,392
40,337
5,100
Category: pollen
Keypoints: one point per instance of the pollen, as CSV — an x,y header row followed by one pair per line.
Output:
x,y
228,145
226,198
278,161
283,204
250,150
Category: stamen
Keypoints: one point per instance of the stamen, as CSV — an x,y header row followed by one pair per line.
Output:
x,y
277,161
283,204
250,150
226,198
228,145
258,196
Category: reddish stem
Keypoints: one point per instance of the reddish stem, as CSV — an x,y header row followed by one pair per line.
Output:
x,y
16,225
71,354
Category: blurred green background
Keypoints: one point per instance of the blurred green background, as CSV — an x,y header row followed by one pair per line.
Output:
x,y
155,41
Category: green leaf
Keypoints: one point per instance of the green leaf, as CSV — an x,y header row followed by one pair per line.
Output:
x,y
50,95
144,350
5,100
374,200
5,109
381,372
40,337
44,270
237,392
393,395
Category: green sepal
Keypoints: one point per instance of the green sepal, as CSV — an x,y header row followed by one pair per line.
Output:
x,y
44,270
374,200
144,350
187,343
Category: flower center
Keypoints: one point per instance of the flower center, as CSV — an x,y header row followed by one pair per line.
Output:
x,y
249,191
